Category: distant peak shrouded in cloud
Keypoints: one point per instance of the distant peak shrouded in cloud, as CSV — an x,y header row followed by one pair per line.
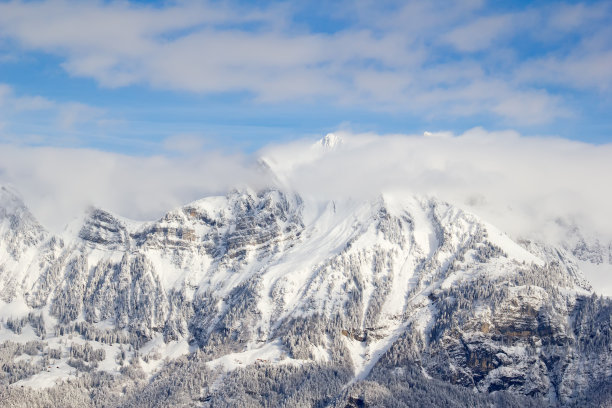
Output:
x,y
330,141
522,184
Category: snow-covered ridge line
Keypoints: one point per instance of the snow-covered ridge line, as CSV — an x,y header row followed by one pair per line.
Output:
x,y
301,280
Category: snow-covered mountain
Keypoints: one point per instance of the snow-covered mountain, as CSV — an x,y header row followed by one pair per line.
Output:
x,y
270,298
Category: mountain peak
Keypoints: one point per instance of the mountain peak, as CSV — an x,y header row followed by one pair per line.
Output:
x,y
10,201
12,207
330,141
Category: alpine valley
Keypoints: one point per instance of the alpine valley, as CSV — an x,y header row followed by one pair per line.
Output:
x,y
269,298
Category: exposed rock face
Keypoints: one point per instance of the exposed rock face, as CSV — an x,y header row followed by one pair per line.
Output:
x,y
102,229
373,288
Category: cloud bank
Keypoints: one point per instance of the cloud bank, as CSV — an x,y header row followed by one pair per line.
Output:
x,y
524,185
59,184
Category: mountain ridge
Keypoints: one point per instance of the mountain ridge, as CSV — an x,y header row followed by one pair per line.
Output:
x,y
272,279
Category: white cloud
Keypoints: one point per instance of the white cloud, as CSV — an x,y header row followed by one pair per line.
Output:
x,y
390,55
514,105
5,93
185,143
530,107
58,184
521,184
571,17
7,58
49,115
32,103
580,70
479,34
72,113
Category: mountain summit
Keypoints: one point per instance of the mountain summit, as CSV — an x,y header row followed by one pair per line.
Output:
x,y
331,141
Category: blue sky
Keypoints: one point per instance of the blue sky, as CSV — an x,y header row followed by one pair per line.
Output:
x,y
146,78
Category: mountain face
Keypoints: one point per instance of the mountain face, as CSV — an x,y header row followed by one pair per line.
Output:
x,y
270,299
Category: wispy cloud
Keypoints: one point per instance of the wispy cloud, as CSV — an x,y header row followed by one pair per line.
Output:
x,y
583,70
39,112
70,114
185,143
384,55
481,33
32,103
